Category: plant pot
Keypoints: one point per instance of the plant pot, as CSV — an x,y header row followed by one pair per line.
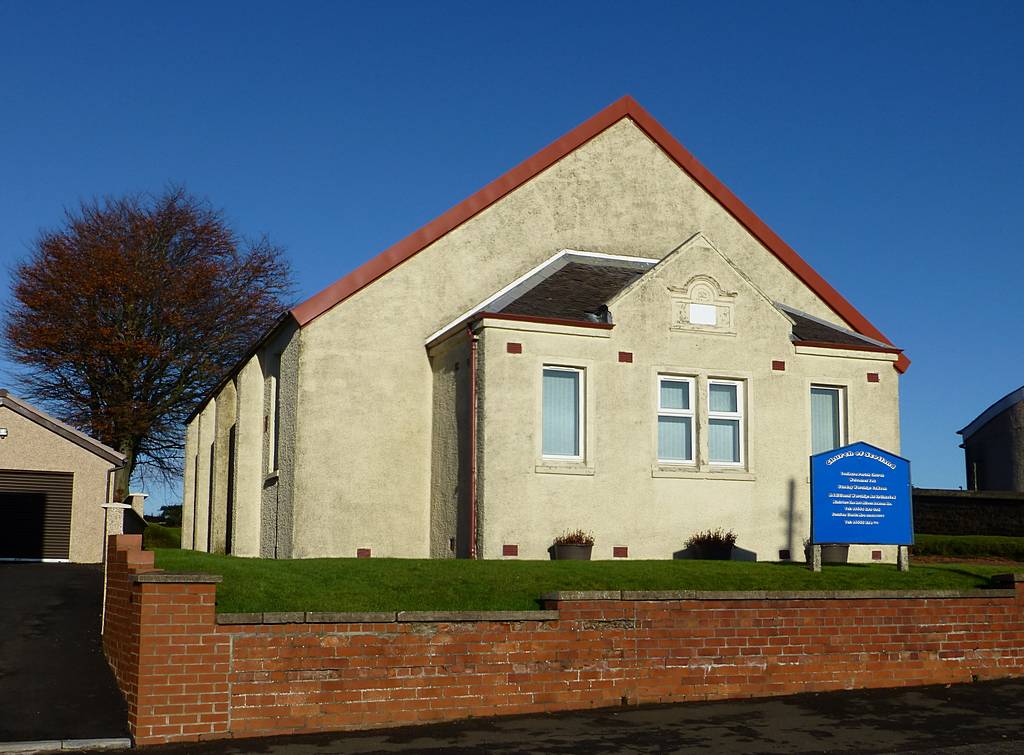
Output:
x,y
712,552
830,554
835,554
573,552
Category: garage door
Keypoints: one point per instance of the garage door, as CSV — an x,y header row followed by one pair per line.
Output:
x,y
35,514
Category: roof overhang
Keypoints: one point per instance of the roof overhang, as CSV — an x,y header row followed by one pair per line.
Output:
x,y
989,414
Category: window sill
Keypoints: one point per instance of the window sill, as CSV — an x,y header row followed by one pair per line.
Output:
x,y
691,473
270,477
571,468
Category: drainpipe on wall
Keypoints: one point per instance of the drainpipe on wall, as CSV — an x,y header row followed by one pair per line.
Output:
x,y
473,340
107,505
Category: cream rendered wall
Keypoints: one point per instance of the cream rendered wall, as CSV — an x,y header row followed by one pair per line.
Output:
x,y
31,446
201,523
363,443
188,485
279,361
450,470
248,460
620,492
227,400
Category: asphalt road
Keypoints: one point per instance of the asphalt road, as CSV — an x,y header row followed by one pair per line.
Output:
x,y
974,719
54,680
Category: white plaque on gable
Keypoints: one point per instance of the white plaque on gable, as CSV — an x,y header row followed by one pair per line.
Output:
x,y
703,306
703,314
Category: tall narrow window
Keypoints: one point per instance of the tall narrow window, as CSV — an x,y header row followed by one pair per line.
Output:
x,y
272,424
725,422
563,413
675,419
826,418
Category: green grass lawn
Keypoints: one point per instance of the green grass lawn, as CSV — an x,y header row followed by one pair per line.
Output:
x,y
970,545
160,536
382,584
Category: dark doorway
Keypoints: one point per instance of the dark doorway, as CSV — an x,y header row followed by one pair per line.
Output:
x,y
230,513
36,512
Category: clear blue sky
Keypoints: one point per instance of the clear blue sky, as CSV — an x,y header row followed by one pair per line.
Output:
x,y
883,141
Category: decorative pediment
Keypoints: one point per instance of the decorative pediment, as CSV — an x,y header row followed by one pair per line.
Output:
x,y
703,306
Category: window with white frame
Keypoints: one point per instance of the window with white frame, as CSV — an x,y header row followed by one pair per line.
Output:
x,y
826,418
562,431
675,419
725,422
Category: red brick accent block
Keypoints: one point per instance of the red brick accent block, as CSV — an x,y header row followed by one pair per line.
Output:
x,y
514,348
778,364
510,550
188,674
873,377
620,551
626,356
363,553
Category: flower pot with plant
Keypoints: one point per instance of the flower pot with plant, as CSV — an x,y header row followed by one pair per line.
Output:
x,y
712,544
573,545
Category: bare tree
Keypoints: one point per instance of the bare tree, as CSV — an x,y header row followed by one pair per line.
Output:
x,y
130,311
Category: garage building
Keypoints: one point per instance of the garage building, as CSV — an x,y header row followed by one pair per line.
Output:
x,y
53,480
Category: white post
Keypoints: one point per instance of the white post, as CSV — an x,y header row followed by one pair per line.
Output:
x,y
903,558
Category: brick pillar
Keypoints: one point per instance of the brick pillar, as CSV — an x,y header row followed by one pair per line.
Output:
x,y
161,641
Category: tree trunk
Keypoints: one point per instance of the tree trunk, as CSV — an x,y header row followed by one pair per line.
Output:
x,y
123,476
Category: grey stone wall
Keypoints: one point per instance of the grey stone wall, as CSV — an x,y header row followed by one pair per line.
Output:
x,y
968,512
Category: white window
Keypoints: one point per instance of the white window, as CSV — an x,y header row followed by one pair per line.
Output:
x,y
826,418
675,419
725,422
563,413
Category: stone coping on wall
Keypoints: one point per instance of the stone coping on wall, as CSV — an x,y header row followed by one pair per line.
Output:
x,y
381,617
176,578
639,595
1006,582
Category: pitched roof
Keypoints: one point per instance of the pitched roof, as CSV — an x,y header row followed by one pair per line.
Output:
x,y
626,107
577,291
570,287
1000,406
809,330
18,406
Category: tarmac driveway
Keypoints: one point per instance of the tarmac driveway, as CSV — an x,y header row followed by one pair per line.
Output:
x,y
54,680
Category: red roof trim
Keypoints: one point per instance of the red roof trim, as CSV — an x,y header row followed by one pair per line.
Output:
x,y
848,346
626,107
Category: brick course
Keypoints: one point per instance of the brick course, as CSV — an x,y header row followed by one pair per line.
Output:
x,y
187,677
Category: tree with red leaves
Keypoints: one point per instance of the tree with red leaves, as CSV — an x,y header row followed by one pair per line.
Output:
x,y
126,315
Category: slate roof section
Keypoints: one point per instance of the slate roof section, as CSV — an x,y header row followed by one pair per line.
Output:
x,y
811,330
578,291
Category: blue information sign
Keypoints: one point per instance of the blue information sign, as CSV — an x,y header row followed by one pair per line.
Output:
x,y
860,494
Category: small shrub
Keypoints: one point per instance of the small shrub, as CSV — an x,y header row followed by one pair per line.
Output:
x,y
712,538
574,537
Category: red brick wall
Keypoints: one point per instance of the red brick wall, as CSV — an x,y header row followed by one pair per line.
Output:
x,y
192,678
